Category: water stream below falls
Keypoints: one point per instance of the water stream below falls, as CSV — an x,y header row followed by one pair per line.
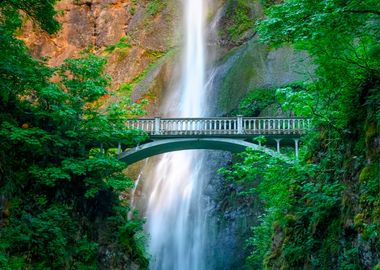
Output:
x,y
176,208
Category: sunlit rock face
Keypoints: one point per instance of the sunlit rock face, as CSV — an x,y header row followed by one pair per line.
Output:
x,y
96,25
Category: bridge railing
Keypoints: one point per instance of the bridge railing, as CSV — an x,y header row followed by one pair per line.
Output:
x,y
232,126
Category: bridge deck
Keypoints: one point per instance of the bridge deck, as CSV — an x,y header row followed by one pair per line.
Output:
x,y
229,127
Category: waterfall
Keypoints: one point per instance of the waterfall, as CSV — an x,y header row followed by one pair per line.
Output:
x,y
175,211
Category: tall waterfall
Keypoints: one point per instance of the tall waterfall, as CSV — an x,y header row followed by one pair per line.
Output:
x,y
175,212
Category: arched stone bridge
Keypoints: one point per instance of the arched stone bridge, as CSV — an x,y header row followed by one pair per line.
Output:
x,y
223,133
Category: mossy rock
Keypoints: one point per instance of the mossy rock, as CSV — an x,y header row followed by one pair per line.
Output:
x,y
255,66
365,174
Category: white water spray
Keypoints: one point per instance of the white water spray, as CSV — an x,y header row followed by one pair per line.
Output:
x,y
176,215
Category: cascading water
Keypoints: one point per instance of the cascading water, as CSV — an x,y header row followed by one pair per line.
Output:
x,y
176,216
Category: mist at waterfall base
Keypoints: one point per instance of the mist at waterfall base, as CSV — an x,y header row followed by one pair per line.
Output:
x,y
176,210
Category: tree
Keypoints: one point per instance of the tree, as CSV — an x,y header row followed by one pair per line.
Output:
x,y
312,216
59,192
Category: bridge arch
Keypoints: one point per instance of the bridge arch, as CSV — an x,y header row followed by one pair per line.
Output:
x,y
176,144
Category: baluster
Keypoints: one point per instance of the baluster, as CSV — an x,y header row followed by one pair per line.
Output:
x,y
275,126
303,124
270,126
298,126
288,128
162,127
262,125
265,122
282,126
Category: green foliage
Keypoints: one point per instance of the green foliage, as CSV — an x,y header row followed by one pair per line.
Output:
x,y
154,6
40,11
57,192
121,44
256,101
239,18
318,208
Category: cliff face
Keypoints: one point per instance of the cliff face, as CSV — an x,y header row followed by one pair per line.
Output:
x,y
139,39
132,35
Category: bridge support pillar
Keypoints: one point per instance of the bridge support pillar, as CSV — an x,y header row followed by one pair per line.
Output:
x,y
296,146
119,148
278,145
157,125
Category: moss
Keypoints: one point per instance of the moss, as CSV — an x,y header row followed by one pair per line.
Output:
x,y
239,19
365,174
154,7
153,54
359,221
238,79
376,210
123,43
370,132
